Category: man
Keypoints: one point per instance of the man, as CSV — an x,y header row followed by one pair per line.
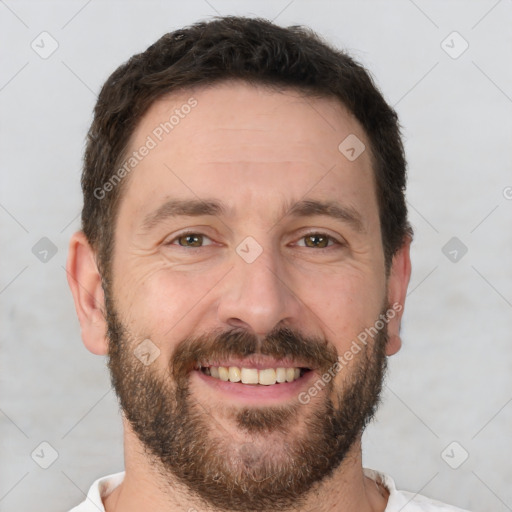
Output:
x,y
244,262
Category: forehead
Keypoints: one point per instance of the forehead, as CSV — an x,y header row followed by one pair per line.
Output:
x,y
236,137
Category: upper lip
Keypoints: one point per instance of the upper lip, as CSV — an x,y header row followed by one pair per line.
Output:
x,y
259,362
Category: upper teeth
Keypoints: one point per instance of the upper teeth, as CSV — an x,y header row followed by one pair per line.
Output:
x,y
265,376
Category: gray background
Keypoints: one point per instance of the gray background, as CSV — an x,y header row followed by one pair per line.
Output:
x,y
450,382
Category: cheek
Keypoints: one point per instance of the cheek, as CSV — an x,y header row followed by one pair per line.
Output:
x,y
345,301
163,303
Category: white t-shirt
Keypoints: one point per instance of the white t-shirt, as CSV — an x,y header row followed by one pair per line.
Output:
x,y
399,501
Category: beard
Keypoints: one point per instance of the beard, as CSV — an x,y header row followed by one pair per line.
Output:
x,y
279,453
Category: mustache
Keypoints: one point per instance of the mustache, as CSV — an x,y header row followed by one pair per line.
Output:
x,y
281,343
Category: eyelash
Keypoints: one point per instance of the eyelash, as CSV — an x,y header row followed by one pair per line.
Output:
x,y
305,235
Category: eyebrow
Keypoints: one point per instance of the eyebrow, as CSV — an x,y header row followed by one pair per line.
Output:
x,y
304,208
183,208
347,214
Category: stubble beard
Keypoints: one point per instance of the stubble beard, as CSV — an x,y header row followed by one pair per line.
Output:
x,y
279,454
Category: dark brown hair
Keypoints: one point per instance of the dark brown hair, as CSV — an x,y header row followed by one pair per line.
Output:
x,y
255,51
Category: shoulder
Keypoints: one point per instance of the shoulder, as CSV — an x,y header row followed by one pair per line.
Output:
x,y
404,501
100,489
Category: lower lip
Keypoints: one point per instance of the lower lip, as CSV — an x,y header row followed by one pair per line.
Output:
x,y
256,393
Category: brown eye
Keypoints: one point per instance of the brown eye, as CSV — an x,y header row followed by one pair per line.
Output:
x,y
190,240
317,240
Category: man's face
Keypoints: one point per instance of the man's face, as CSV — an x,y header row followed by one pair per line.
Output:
x,y
245,238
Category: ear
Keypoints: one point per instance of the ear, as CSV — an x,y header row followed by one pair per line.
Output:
x,y
398,281
84,280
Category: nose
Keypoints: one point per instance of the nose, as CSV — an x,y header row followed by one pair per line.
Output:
x,y
258,296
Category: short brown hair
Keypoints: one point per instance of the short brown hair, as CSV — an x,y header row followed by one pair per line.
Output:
x,y
258,52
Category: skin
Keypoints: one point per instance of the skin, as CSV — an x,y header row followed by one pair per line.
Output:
x,y
258,151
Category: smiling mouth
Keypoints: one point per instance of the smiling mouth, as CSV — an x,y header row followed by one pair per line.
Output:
x,y
254,376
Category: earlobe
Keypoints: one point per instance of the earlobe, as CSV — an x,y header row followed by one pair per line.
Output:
x,y
84,281
398,281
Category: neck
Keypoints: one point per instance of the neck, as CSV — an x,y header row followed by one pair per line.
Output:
x,y
145,488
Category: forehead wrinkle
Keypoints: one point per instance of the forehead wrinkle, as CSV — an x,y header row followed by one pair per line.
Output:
x,y
288,163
